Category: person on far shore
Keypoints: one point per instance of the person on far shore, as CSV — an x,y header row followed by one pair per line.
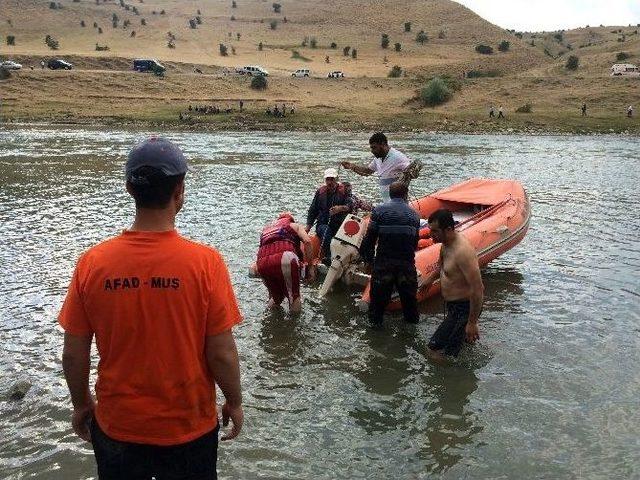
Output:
x,y
280,260
584,109
161,308
630,111
492,112
500,112
388,163
394,227
460,284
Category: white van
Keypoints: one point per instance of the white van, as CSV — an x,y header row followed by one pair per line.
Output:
x,y
625,70
254,71
301,72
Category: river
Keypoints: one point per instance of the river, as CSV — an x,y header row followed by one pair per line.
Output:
x,y
551,391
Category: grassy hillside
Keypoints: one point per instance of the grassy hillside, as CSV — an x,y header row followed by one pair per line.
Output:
x,y
530,71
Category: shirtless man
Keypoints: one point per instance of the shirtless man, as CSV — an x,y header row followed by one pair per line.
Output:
x,y
460,284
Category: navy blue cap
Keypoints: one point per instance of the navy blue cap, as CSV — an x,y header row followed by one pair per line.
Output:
x,y
156,152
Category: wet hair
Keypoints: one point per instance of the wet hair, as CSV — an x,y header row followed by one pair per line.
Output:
x,y
379,139
443,217
398,190
151,188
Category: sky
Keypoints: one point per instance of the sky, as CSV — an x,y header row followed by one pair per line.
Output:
x,y
539,15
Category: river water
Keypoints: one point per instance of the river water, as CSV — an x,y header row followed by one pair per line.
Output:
x,y
551,391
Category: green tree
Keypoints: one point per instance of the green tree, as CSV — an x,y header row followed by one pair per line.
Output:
x,y
384,42
573,63
422,37
435,92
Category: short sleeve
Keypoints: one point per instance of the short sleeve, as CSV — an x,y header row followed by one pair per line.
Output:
x,y
223,310
73,317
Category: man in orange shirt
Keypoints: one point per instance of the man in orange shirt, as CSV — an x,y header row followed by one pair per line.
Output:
x,y
161,308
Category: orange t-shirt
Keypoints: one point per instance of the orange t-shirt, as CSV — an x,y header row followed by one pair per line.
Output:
x,y
151,298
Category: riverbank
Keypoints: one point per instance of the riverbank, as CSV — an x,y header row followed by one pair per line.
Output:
x,y
125,98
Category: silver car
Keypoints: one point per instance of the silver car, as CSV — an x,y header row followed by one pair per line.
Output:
x,y
10,65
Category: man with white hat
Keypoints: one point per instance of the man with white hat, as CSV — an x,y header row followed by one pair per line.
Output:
x,y
329,207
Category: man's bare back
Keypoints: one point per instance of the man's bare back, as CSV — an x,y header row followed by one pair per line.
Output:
x,y
455,260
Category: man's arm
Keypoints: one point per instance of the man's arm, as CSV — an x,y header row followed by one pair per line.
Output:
x,y
308,250
368,245
224,366
312,214
76,363
363,170
468,263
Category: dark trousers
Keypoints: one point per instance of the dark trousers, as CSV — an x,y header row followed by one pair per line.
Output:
x,y
195,460
383,279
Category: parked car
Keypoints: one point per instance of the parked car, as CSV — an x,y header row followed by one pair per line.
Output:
x,y
254,71
625,70
59,64
148,65
10,65
301,72
335,74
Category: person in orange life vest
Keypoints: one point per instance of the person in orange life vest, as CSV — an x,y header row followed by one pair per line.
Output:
x,y
280,260
161,308
329,208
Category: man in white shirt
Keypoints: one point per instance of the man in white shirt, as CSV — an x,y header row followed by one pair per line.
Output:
x,y
388,163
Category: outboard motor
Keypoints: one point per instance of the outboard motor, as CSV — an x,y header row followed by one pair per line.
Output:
x,y
344,250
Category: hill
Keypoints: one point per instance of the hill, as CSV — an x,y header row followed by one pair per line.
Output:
x,y
305,33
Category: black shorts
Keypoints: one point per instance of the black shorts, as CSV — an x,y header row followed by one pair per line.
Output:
x,y
449,336
195,460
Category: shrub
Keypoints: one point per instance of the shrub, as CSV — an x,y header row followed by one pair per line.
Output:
x,y
504,46
51,42
162,12
233,50
442,35
558,37
238,36
354,54
484,49
126,23
436,92
305,42
345,51
622,56
199,12
259,83
101,48
4,73
334,45
95,24
485,74
223,50
52,5
135,10
234,4
133,33
171,43
192,23
82,24
284,20
398,47
384,42
422,37
100,30
313,42
519,35
573,63
276,7
260,46
395,72
11,40
296,55
273,24
407,26
233,18
143,21
526,108
199,19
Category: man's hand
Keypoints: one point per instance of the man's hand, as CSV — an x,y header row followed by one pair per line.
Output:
x,y
80,421
237,419
307,228
472,332
338,209
346,165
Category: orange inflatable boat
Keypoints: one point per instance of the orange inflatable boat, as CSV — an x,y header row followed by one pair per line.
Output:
x,y
493,214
